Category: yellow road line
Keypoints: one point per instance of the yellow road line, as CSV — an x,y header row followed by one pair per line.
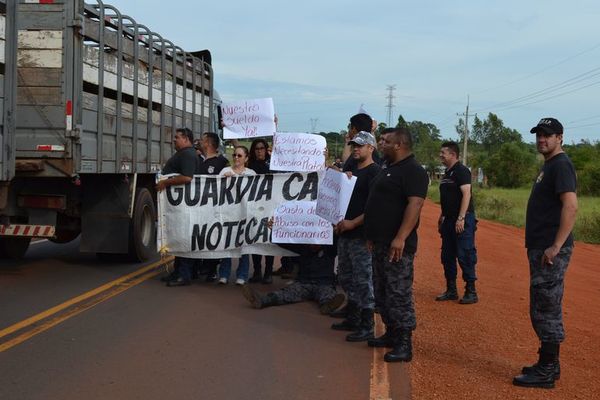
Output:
x,y
76,310
380,380
51,311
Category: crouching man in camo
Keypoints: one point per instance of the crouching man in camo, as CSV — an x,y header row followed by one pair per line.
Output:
x,y
315,281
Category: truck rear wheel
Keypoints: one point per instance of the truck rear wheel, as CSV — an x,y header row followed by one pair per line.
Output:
x,y
142,231
14,247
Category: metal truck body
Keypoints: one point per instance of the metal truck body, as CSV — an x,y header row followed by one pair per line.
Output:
x,y
90,101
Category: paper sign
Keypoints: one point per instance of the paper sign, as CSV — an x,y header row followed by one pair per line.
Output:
x,y
297,222
298,152
248,119
335,191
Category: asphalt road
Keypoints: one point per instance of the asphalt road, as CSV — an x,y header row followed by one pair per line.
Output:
x,y
137,339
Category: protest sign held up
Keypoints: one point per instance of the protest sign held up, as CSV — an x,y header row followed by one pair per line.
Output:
x,y
335,191
298,152
248,119
298,222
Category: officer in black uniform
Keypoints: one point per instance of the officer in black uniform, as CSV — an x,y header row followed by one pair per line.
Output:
x,y
457,225
550,218
391,219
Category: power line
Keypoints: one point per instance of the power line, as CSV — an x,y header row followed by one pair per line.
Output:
x,y
553,88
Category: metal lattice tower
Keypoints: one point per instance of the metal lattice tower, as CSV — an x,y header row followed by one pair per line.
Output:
x,y
390,97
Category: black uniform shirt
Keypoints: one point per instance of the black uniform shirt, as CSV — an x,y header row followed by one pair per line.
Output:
x,y
450,193
315,262
260,166
184,162
388,199
544,206
213,165
356,207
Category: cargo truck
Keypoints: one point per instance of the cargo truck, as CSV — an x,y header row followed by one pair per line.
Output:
x,y
89,102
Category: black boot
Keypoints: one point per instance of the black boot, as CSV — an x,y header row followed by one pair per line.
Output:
x,y
341,313
365,327
450,293
529,369
470,296
543,373
268,276
257,300
256,276
331,305
402,350
384,340
350,323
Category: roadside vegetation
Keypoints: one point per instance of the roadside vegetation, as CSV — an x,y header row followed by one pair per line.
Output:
x,y
508,206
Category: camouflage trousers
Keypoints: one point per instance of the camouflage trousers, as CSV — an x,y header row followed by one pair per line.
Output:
x,y
355,272
546,289
297,292
393,282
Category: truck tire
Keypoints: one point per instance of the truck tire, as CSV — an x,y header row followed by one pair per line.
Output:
x,y
67,229
142,230
13,247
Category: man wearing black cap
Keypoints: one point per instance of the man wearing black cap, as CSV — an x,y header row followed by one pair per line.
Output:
x,y
355,269
550,219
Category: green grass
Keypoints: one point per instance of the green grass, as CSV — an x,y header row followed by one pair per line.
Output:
x,y
508,206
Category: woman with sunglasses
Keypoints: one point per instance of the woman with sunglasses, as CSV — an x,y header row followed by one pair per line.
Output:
x,y
259,161
240,158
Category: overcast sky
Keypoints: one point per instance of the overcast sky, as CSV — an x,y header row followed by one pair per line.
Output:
x,y
522,60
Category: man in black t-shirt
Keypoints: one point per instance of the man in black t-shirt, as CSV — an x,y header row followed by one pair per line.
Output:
x,y
550,218
184,162
391,220
457,225
355,269
211,164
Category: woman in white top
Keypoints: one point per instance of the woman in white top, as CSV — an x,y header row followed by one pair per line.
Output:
x,y
240,158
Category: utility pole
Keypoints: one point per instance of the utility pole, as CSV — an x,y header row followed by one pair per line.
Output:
x,y
465,132
390,97
313,125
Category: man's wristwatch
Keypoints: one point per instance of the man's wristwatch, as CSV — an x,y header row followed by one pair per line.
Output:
x,y
460,218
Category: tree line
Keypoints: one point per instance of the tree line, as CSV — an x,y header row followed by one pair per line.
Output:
x,y
507,161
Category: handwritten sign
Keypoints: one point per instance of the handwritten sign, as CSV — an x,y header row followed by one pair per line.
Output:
x,y
335,191
298,222
248,119
297,152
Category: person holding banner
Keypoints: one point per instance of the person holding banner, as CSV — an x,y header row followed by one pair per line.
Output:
x,y
240,158
258,160
391,219
359,122
186,163
355,270
212,163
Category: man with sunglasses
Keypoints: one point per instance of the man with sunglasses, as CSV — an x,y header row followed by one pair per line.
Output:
x,y
550,218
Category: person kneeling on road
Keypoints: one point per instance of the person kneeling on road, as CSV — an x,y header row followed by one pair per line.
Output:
x,y
315,281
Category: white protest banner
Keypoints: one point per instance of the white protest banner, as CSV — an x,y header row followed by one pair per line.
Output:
x,y
248,119
298,152
298,222
335,191
216,217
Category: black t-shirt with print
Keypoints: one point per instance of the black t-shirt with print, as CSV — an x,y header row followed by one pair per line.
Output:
x,y
360,194
544,206
213,165
450,193
184,162
388,199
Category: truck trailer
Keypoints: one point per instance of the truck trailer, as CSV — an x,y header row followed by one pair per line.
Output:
x,y
89,103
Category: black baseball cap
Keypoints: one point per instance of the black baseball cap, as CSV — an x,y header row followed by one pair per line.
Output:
x,y
548,125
